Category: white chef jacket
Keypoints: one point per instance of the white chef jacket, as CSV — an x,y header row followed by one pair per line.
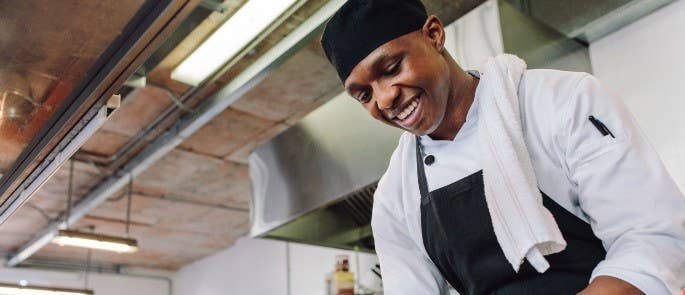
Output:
x,y
618,185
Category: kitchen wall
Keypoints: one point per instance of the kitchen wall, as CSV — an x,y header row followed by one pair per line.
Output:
x,y
259,266
644,63
475,37
101,284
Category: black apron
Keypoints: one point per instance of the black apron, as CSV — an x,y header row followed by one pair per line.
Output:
x,y
459,238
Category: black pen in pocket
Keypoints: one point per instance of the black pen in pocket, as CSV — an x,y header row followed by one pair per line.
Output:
x,y
601,127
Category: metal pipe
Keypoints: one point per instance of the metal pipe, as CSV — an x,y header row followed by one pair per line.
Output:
x,y
180,200
287,268
128,205
92,124
87,274
109,161
192,202
53,265
70,189
187,125
211,5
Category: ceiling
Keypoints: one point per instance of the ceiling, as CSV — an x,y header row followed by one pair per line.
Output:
x,y
192,202
46,56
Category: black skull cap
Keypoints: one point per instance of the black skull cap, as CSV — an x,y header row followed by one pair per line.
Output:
x,y
361,26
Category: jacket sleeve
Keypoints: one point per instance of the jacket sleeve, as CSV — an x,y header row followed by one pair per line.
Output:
x,y
633,204
404,267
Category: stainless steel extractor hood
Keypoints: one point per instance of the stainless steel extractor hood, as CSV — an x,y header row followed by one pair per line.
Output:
x,y
314,183
587,20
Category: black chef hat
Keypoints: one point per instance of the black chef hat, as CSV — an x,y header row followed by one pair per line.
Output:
x,y
361,26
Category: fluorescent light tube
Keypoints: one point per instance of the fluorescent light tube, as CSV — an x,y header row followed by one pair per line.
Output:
x,y
227,41
95,241
6,289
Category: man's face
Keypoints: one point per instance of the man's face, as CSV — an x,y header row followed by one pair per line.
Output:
x,y
404,83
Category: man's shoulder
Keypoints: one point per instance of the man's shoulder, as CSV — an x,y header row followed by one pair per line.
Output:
x,y
540,80
545,92
389,186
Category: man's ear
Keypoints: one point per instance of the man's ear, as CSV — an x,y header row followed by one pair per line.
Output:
x,y
435,32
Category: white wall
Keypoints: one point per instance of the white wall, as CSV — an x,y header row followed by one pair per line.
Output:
x,y
248,267
645,64
101,284
258,266
475,37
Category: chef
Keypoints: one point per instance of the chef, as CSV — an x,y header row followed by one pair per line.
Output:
x,y
507,181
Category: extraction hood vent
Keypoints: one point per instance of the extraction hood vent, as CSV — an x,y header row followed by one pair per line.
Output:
x,y
358,205
344,224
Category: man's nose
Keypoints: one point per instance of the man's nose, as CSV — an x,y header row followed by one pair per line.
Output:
x,y
386,98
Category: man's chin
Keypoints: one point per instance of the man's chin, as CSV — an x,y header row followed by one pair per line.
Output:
x,y
417,132
414,131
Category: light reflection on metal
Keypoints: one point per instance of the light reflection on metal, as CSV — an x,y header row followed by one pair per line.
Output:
x,y
16,101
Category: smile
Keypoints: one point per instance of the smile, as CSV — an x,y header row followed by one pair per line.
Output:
x,y
409,109
410,113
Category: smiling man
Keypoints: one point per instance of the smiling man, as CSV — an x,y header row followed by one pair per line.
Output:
x,y
510,181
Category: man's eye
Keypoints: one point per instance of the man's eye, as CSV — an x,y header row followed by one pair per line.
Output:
x,y
392,69
364,97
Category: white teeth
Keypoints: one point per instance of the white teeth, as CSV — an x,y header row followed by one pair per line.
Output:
x,y
408,110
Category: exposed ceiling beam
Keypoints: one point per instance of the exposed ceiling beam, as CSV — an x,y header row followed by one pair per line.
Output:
x,y
153,23
185,127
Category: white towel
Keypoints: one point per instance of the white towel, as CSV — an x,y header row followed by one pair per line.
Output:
x,y
523,226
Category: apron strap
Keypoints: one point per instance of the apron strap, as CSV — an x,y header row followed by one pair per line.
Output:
x,y
421,172
423,183
423,188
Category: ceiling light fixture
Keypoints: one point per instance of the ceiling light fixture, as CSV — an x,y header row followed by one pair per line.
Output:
x,y
92,240
7,289
253,18
95,241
